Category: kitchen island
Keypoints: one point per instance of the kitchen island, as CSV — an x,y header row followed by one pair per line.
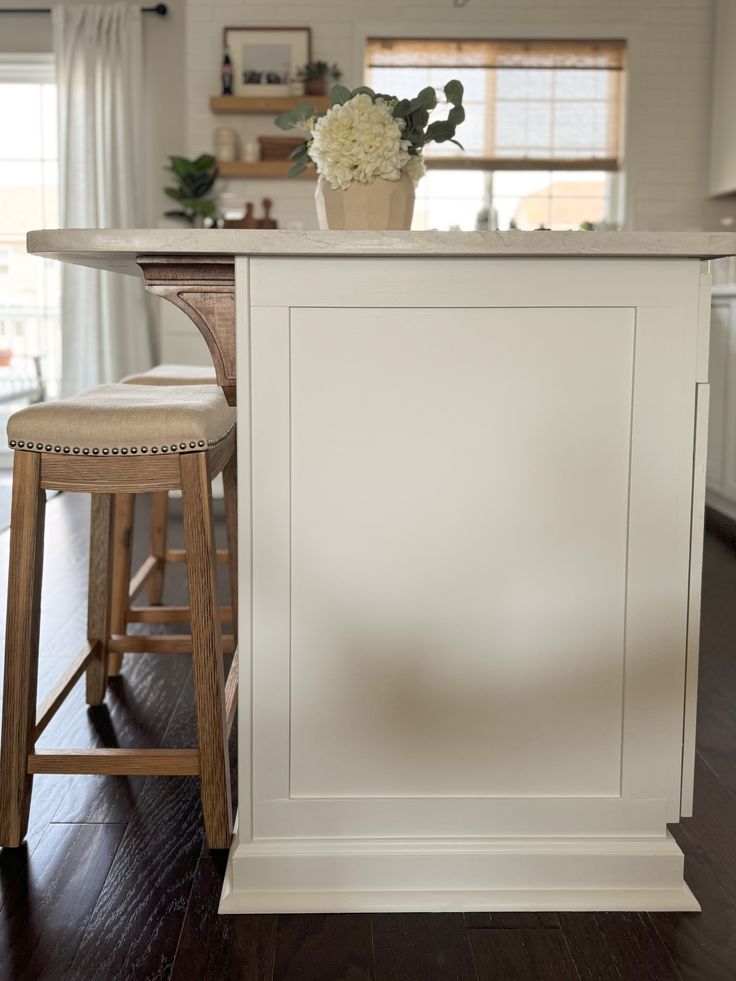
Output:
x,y
471,471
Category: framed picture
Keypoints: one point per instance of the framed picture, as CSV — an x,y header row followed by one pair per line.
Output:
x,y
265,59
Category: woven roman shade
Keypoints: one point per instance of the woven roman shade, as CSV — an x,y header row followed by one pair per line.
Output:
x,y
548,104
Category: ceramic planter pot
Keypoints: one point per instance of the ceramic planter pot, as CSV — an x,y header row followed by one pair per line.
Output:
x,y
379,206
317,86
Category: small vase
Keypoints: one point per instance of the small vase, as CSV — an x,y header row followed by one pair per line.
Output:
x,y
379,206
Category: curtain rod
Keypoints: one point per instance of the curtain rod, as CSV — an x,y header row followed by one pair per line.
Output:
x,y
161,9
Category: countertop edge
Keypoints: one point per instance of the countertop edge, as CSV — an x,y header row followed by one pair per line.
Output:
x,y
127,243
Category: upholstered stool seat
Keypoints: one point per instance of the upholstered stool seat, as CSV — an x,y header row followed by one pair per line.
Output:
x,y
114,442
125,419
151,572
174,374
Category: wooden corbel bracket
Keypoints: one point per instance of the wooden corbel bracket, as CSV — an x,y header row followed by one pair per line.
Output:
x,y
204,288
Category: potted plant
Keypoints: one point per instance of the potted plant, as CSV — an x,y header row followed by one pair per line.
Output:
x,y
194,180
367,148
316,76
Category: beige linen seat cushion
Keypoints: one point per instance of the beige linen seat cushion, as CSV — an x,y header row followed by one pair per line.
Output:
x,y
122,419
174,374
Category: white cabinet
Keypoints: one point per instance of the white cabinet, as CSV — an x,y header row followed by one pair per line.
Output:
x,y
467,667
721,472
722,177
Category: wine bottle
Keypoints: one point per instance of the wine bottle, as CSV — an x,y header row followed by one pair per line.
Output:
x,y
227,74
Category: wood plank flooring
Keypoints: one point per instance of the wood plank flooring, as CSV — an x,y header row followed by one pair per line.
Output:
x,y
115,881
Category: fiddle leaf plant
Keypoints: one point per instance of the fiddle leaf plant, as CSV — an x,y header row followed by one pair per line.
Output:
x,y
194,181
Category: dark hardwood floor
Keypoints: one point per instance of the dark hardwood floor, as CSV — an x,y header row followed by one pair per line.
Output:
x,y
115,882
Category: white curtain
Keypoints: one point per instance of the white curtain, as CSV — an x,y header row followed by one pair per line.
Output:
x,y
106,328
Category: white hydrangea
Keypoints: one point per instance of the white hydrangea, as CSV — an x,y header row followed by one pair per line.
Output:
x,y
359,141
414,168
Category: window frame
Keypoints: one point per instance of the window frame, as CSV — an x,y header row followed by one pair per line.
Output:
x,y
39,68
42,321
617,184
492,159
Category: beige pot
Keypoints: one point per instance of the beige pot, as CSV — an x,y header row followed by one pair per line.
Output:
x,y
382,205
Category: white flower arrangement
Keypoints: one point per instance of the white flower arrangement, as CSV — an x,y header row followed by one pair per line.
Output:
x,y
359,141
365,136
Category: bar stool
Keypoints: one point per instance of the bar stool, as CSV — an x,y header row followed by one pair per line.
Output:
x,y
116,439
127,585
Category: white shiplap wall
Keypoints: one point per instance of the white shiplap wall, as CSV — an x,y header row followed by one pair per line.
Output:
x,y
668,99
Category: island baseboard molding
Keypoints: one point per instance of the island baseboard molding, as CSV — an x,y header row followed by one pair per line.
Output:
x,y
406,875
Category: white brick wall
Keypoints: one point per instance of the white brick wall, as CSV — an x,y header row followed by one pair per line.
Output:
x,y
669,82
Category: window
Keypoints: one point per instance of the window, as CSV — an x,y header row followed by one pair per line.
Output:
x,y
30,347
542,131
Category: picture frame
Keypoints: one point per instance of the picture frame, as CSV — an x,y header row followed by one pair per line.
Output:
x,y
265,59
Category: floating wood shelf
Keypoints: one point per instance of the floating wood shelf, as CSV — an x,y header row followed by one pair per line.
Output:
x,y
262,170
262,105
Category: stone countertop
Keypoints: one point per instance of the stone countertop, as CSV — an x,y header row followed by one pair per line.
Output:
x,y
116,249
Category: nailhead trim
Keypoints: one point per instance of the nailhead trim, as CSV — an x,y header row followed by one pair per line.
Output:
x,y
124,450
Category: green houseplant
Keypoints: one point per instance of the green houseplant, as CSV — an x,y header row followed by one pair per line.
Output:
x,y
194,180
367,147
316,76
412,116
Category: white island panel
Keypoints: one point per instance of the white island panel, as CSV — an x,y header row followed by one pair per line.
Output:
x,y
472,483
460,464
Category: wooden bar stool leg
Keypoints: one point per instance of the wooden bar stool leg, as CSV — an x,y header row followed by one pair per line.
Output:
x,y
100,588
21,646
159,526
230,485
123,522
207,658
